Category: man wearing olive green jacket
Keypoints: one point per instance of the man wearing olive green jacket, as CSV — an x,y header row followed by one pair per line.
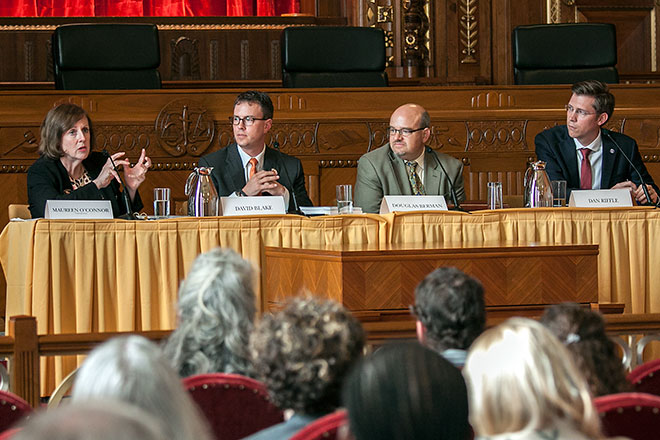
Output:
x,y
406,166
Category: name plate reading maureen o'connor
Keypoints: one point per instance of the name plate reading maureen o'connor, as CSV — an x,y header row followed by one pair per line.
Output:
x,y
412,203
78,209
257,205
600,198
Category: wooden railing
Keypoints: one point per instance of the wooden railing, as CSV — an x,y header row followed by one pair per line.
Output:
x,y
24,347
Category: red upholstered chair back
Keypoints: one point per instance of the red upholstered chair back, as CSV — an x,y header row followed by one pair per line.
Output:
x,y
234,405
646,377
12,409
324,428
633,415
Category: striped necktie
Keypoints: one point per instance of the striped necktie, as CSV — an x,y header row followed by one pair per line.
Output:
x,y
415,182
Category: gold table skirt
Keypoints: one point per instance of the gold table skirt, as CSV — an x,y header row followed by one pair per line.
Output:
x,y
116,275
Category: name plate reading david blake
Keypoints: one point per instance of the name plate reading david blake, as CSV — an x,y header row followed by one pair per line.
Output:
x,y
600,198
257,205
412,203
78,209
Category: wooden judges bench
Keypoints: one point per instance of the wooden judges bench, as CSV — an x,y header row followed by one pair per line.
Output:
x,y
491,129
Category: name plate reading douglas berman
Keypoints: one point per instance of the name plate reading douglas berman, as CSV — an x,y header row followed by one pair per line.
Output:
x,y
78,209
256,205
412,203
600,198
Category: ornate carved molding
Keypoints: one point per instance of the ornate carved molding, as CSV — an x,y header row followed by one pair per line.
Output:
x,y
185,59
169,27
468,30
496,135
128,138
492,99
338,164
415,31
285,101
27,145
554,11
295,139
184,126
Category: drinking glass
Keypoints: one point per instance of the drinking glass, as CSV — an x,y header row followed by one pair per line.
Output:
x,y
495,195
345,199
161,202
558,193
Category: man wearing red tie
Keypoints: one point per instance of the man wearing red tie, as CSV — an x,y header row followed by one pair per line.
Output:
x,y
588,156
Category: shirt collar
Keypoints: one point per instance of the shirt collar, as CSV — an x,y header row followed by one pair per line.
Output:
x,y
594,146
245,158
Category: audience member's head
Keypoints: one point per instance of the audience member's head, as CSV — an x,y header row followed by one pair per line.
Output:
x,y
449,305
304,352
132,369
407,391
582,331
96,420
216,313
521,379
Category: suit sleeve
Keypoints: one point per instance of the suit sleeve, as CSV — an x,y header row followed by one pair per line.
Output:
x,y
546,150
299,189
368,188
44,184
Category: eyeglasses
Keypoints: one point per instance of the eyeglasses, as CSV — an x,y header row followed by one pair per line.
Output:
x,y
248,120
581,113
405,132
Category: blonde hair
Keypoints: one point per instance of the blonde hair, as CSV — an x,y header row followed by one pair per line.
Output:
x,y
521,378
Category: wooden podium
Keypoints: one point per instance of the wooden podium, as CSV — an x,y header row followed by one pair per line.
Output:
x,y
518,278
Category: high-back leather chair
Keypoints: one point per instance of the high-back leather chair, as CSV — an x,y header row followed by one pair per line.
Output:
x,y
106,56
333,56
564,53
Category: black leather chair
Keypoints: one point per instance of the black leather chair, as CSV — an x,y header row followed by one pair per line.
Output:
x,y
333,56
106,56
564,53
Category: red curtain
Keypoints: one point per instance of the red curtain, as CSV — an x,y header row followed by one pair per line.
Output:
x,y
146,8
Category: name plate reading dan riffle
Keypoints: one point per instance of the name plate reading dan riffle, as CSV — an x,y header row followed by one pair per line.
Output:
x,y
600,198
412,203
256,205
78,209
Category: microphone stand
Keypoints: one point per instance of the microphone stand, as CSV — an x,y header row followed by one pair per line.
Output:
x,y
130,215
452,190
296,208
641,179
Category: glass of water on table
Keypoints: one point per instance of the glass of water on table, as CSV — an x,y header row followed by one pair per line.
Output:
x,y
161,202
345,199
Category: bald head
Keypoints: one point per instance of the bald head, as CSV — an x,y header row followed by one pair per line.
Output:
x,y
412,117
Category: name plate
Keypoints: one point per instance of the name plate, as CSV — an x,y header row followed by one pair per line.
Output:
x,y
412,203
78,209
600,198
257,205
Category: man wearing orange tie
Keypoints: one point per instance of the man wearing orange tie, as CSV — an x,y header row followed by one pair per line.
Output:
x,y
247,167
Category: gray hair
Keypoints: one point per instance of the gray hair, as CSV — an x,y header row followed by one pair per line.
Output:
x,y
98,420
132,369
216,314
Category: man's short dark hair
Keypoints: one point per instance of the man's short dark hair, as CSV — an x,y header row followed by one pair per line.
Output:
x,y
450,305
257,97
603,99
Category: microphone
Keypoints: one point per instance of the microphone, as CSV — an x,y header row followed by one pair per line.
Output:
x,y
452,189
646,191
296,208
130,215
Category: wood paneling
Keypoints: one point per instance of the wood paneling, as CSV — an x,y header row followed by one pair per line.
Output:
x,y
376,278
491,130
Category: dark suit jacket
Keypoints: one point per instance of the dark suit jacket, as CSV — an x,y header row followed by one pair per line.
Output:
x,y
229,175
381,172
557,149
47,179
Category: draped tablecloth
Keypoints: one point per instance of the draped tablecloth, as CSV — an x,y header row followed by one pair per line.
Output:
x,y
115,275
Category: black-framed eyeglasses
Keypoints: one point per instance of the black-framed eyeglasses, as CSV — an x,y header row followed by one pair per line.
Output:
x,y
405,132
578,111
248,120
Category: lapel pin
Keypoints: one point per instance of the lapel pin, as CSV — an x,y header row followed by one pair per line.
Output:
x,y
611,150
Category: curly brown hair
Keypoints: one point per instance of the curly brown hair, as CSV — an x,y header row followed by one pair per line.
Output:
x,y
303,353
582,331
